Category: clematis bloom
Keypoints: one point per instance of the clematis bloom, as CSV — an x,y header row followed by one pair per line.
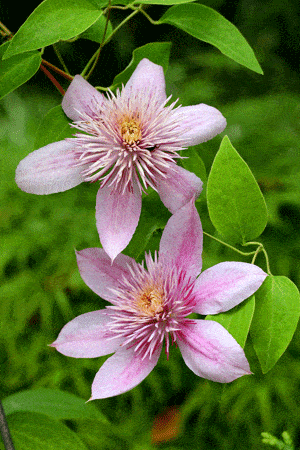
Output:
x,y
130,141
150,304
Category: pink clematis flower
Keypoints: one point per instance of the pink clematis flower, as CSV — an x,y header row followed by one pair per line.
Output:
x,y
130,141
150,304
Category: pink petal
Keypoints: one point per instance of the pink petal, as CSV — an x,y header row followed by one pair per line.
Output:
x,y
147,76
199,123
117,216
181,241
49,169
122,372
100,274
87,336
211,352
225,285
80,97
178,188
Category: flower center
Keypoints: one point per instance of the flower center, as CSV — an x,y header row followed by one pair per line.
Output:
x,y
150,302
131,131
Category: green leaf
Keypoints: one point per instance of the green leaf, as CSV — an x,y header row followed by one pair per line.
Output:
x,y
52,402
162,2
236,205
31,431
157,52
275,319
237,321
96,31
54,127
154,216
17,70
209,26
194,163
52,21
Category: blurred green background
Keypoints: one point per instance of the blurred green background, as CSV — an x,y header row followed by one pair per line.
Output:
x,y
40,285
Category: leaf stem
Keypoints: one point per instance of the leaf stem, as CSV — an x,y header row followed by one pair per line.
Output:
x,y
94,59
6,30
58,54
5,433
260,248
230,246
154,22
57,70
51,77
102,42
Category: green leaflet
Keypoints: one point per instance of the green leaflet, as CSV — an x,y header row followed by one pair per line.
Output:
x,y
209,26
236,205
17,70
275,319
52,402
237,321
52,21
31,431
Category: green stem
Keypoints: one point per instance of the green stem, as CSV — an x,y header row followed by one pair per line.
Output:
x,y
267,261
57,52
102,42
94,58
154,22
136,11
261,248
229,246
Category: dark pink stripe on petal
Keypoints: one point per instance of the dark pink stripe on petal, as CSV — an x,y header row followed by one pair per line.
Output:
x,y
181,241
225,285
211,352
117,216
122,372
178,188
100,274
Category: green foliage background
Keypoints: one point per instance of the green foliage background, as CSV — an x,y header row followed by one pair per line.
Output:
x,y
40,285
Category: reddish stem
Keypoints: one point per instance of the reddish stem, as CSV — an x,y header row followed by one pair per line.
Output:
x,y
51,77
57,70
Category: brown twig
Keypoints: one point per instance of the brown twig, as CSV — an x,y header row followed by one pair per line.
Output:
x,y
57,70
51,77
6,437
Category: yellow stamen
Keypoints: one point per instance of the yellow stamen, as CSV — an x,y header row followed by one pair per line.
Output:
x,y
131,131
150,302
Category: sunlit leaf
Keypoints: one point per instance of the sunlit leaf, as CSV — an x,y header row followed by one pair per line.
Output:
x,y
17,70
237,321
157,52
52,21
32,431
209,26
275,319
52,402
54,127
236,205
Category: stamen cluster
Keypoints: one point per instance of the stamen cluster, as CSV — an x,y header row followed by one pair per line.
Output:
x,y
127,140
151,304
